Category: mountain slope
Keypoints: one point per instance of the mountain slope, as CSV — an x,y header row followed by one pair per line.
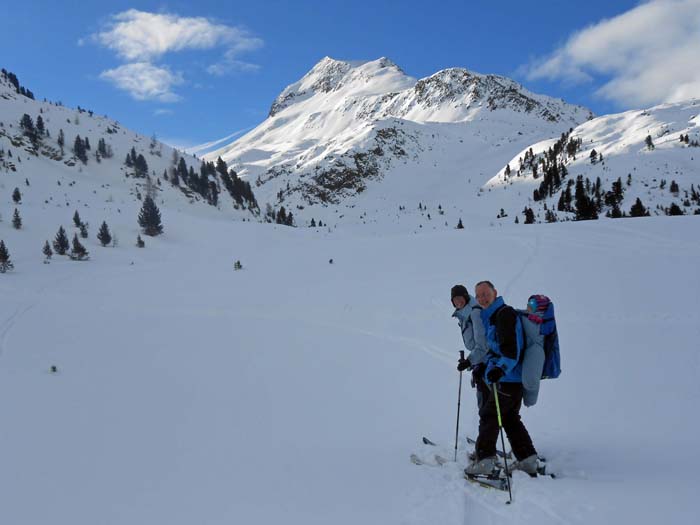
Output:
x,y
345,125
54,181
641,148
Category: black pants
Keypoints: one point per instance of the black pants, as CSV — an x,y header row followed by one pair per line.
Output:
x,y
510,397
482,389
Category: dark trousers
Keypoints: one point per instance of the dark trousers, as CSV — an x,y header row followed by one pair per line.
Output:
x,y
510,397
482,389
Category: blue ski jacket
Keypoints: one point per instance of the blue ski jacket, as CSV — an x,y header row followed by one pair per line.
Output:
x,y
504,337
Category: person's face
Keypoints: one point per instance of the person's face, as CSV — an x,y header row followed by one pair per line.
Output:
x,y
485,295
459,302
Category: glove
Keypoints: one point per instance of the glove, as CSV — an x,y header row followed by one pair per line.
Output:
x,y
464,364
495,374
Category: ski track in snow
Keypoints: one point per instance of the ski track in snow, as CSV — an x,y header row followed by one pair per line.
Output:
x,y
533,255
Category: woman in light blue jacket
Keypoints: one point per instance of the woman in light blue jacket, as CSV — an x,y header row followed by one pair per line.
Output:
x,y
468,313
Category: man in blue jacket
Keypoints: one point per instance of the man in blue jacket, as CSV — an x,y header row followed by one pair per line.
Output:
x,y
505,341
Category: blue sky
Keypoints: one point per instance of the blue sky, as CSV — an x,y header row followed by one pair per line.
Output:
x,y
212,68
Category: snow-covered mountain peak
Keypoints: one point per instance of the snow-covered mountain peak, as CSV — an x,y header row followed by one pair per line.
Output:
x,y
351,77
345,123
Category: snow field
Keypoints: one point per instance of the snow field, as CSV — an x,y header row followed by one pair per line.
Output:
x,y
295,390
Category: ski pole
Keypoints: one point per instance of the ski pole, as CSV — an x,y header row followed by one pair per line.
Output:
x,y
503,443
459,403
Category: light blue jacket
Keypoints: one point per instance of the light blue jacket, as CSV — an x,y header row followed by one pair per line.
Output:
x,y
473,333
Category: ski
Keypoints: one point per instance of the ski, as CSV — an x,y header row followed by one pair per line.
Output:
x,y
499,453
439,461
488,482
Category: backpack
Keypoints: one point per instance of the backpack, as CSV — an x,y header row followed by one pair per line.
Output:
x,y
543,316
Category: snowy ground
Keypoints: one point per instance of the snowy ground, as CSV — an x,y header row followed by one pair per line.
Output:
x,y
295,390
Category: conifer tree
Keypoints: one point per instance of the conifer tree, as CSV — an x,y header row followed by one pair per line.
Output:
x,y
103,235
5,263
27,125
61,140
84,230
460,226
649,142
76,219
674,209
79,149
561,204
16,196
615,213
149,218
40,129
47,251
638,209
529,216
550,216
139,242
78,251
16,220
674,188
585,208
140,166
61,243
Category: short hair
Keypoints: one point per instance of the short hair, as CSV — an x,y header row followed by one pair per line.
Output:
x,y
489,283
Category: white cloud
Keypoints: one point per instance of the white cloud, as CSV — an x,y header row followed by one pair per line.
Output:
x,y
231,65
145,81
140,36
649,54
162,111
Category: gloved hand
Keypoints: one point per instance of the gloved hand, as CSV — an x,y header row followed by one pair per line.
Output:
x,y
495,374
464,364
